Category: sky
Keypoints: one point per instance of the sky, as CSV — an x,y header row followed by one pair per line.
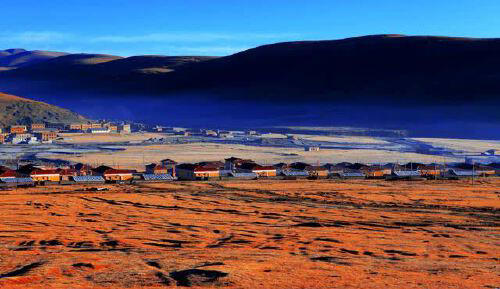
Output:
x,y
223,27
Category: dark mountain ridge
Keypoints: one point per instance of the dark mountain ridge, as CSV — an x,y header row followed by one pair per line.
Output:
x,y
390,81
389,67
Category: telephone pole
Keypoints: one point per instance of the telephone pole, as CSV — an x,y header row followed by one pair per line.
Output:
x,y
473,173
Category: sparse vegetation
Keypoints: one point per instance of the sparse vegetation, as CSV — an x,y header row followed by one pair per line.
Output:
x,y
252,234
18,110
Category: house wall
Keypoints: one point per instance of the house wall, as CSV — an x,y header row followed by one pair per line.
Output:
x,y
210,174
75,126
156,171
374,174
311,149
66,178
125,128
118,177
191,175
430,172
486,173
18,129
320,174
47,136
45,178
36,126
265,173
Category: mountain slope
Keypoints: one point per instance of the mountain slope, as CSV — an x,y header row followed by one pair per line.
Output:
x,y
64,67
372,68
13,58
18,110
100,66
379,68
148,64
386,81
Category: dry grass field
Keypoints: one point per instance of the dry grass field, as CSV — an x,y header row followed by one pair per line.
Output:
x,y
253,234
467,145
135,157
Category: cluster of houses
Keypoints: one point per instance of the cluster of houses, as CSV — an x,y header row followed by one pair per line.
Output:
x,y
37,133
204,132
245,168
32,134
235,168
99,128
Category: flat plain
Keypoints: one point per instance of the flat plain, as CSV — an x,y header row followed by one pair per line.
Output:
x,y
136,157
253,234
129,151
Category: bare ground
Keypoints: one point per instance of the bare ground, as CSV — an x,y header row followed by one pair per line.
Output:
x,y
253,234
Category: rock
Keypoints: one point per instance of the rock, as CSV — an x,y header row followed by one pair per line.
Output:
x,y
196,277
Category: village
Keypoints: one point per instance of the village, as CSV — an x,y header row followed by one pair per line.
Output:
x,y
38,133
46,133
31,172
234,168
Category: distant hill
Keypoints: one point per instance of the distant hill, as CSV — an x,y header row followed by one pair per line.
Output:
x,y
374,69
13,58
379,68
101,66
18,110
389,81
65,67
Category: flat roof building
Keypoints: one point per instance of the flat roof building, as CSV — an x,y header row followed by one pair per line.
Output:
x,y
124,128
46,136
75,126
45,175
18,129
196,172
311,148
100,130
37,126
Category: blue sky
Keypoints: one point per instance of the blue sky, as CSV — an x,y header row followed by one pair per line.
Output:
x,y
222,27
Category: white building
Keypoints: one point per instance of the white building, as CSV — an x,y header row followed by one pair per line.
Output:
x,y
125,128
33,140
225,134
311,149
20,138
99,130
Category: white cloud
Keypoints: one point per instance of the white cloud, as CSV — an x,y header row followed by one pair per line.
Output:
x,y
189,37
171,43
35,37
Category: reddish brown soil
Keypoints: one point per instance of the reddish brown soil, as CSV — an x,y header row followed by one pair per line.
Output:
x,y
253,234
